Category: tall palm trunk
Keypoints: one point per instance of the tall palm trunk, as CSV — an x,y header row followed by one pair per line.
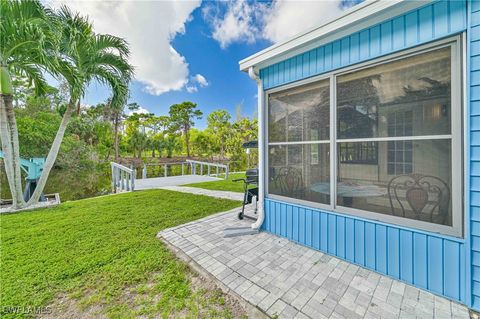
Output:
x,y
17,171
187,140
7,147
10,146
116,139
52,154
222,149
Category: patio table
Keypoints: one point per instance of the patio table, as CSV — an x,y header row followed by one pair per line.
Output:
x,y
348,190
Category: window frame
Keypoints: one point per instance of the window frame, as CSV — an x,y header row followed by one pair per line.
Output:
x,y
457,136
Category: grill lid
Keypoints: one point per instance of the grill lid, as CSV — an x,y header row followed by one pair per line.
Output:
x,y
252,175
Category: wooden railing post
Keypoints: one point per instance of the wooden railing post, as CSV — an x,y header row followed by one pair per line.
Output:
x,y
226,171
120,180
117,178
165,170
183,169
208,170
133,179
114,187
123,178
144,172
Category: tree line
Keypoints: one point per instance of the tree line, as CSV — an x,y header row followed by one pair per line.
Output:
x,y
174,134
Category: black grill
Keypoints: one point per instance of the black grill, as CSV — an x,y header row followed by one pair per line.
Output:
x,y
251,176
250,189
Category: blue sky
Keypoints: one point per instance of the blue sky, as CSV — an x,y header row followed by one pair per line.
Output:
x,y
227,88
189,50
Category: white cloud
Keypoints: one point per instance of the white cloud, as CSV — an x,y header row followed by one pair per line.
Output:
x,y
237,23
195,81
191,88
246,22
200,79
287,18
149,27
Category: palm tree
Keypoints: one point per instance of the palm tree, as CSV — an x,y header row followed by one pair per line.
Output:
x,y
36,40
85,57
114,114
156,144
171,144
138,141
28,43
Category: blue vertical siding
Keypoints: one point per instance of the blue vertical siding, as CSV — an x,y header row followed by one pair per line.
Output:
x,y
474,182
434,21
429,261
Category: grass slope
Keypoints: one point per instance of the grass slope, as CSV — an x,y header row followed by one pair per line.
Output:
x,y
223,185
96,249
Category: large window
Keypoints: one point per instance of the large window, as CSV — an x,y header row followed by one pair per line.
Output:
x,y
388,146
299,142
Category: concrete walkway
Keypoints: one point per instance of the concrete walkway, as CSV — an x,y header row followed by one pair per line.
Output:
x,y
206,192
283,278
158,182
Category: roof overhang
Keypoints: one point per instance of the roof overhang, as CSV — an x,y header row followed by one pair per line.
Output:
x,y
359,17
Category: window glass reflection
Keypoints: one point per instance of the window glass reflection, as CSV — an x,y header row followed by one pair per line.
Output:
x,y
408,97
300,172
300,114
393,146
414,181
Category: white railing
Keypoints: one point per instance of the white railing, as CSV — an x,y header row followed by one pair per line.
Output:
x,y
218,167
165,167
123,178
189,166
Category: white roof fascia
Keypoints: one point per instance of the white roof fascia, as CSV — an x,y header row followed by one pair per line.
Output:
x,y
354,19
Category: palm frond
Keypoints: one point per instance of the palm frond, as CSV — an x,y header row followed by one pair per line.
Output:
x,y
115,63
29,40
38,40
35,76
107,42
70,74
118,85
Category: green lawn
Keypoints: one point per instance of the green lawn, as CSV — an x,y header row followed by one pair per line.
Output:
x,y
223,185
103,254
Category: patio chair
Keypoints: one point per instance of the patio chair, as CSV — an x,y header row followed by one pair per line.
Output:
x,y
289,180
428,197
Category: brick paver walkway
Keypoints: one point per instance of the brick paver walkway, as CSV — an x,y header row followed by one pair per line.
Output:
x,y
289,280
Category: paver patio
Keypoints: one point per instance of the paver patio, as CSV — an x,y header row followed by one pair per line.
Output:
x,y
282,278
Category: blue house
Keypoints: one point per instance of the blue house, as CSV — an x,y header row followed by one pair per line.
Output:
x,y
370,141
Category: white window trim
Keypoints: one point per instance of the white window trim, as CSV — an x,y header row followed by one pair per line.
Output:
x,y
299,142
456,137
